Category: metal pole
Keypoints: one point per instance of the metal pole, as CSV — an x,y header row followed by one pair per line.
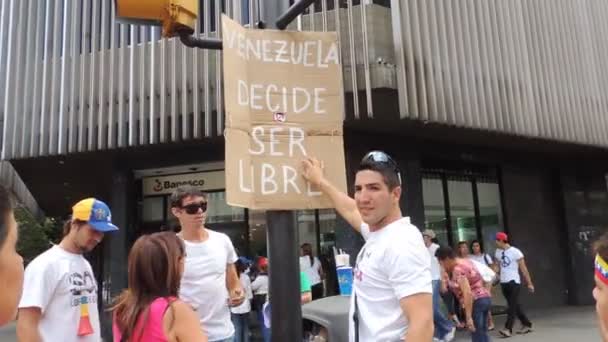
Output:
x,y
283,244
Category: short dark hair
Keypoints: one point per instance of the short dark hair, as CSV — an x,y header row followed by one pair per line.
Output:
x,y
445,252
382,163
182,192
6,207
390,177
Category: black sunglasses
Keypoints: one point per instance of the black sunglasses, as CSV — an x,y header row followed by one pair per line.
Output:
x,y
380,159
193,208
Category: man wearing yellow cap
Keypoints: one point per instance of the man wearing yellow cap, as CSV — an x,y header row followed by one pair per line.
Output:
x,y
59,301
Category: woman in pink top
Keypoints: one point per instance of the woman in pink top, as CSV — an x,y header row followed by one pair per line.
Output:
x,y
149,311
467,284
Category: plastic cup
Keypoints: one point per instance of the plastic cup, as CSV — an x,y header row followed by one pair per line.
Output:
x,y
345,280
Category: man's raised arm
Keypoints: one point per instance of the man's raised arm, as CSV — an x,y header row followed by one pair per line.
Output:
x,y
346,206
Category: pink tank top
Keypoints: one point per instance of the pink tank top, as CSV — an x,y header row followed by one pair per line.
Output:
x,y
153,331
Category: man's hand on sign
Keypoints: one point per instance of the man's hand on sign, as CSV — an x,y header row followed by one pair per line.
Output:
x,y
312,171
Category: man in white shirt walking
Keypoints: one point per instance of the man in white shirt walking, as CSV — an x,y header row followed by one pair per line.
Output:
x,y
511,261
392,290
210,283
444,329
59,301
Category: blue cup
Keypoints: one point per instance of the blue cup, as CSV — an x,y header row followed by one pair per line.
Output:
x,y
345,280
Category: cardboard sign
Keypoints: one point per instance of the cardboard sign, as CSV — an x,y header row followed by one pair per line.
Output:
x,y
284,101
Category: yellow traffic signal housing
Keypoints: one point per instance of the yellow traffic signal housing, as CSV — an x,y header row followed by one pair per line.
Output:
x,y
173,15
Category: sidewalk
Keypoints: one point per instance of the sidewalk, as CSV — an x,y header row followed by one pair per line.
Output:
x,y
564,324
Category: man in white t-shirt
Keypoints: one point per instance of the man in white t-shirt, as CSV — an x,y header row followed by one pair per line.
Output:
x,y
59,301
210,283
444,329
511,262
392,290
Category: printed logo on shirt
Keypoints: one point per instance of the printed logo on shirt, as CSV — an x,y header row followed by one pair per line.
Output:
x,y
82,288
505,261
84,292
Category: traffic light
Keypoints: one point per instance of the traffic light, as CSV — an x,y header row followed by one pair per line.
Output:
x,y
175,16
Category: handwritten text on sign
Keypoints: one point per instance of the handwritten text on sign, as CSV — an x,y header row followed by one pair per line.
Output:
x,y
284,101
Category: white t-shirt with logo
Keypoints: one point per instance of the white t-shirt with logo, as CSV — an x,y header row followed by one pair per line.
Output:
x,y
203,284
508,261
394,263
63,286
312,271
435,267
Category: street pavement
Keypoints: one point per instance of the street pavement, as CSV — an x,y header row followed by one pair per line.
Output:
x,y
565,324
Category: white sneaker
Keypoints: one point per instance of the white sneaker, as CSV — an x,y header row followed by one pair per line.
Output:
x,y
450,336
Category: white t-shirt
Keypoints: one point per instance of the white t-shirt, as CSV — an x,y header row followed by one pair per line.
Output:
x,y
312,271
394,263
246,306
483,258
509,267
63,286
203,284
435,267
260,285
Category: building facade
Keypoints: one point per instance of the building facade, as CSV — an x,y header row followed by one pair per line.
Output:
x,y
496,112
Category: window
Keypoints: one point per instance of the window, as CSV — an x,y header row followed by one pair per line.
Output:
x,y
463,205
434,208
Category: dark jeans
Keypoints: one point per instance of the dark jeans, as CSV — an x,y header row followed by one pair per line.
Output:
x,y
442,325
511,292
317,291
481,309
241,327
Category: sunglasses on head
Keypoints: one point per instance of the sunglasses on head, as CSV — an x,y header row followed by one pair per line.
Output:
x,y
193,208
381,159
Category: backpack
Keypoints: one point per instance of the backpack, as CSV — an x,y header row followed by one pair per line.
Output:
x,y
487,274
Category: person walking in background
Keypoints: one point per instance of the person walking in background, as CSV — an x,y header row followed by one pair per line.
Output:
x,y
311,265
11,263
510,263
59,301
444,329
240,314
600,291
467,284
210,283
392,286
481,257
149,309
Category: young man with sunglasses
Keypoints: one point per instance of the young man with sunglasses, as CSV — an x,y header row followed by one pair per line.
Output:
x,y
210,283
510,263
392,290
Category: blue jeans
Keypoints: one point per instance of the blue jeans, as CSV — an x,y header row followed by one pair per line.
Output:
x,y
229,339
481,309
265,331
442,324
241,327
